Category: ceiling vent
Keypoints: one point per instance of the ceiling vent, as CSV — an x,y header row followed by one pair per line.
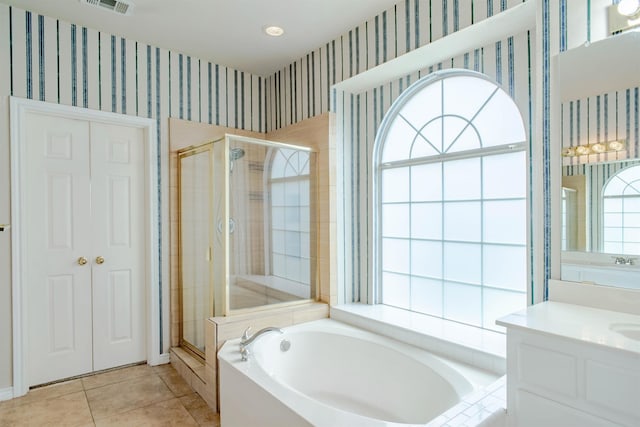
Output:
x,y
117,6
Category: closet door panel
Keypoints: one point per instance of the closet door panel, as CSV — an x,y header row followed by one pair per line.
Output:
x,y
58,219
118,208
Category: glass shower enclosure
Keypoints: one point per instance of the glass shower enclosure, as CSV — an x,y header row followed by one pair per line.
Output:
x,y
247,229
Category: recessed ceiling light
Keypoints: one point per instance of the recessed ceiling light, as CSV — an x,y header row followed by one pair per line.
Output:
x,y
273,31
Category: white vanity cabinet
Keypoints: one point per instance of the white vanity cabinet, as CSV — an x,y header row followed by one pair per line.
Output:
x,y
567,366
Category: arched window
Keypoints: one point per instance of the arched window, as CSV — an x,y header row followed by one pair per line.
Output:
x,y
451,200
621,197
290,187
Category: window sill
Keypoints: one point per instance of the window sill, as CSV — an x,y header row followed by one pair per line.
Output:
x,y
478,347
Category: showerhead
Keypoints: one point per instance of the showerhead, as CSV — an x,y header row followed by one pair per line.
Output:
x,y
236,153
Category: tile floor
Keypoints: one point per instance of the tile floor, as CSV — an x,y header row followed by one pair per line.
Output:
x,y
134,396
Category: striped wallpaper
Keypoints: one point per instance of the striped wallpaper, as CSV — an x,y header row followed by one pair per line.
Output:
x,y
51,60
302,89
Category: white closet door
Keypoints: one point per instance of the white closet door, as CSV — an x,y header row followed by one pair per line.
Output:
x,y
58,234
118,207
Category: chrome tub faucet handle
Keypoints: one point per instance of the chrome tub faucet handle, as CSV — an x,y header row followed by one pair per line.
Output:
x,y
247,339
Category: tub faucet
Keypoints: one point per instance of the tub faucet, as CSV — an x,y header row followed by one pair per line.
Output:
x,y
620,260
247,339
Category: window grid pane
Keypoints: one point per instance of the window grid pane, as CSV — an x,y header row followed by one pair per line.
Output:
x,y
474,248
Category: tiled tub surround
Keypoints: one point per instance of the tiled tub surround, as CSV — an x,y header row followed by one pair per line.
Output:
x,y
202,376
336,374
572,365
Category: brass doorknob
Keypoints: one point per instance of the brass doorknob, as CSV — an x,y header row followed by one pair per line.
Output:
x,y
82,260
99,260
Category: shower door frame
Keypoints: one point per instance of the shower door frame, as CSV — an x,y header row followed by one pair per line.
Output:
x,y
184,153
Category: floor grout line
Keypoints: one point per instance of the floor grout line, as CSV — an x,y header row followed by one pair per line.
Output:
x,y
93,420
183,396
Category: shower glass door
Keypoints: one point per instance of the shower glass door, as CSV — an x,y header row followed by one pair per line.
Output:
x,y
265,192
195,225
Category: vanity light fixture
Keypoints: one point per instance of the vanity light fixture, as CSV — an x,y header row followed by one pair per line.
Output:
x,y
630,8
273,31
597,148
624,16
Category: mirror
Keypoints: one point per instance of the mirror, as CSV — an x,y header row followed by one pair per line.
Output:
x,y
601,207
600,202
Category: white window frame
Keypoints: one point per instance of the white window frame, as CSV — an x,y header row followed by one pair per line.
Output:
x,y
379,166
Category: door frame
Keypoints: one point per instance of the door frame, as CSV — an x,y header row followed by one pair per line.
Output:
x,y
157,314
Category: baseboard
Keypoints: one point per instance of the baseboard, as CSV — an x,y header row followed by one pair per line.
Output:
x,y
159,360
6,393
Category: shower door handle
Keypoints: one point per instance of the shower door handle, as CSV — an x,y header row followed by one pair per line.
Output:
x,y
232,225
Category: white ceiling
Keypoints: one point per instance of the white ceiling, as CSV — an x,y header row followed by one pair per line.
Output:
x,y
227,32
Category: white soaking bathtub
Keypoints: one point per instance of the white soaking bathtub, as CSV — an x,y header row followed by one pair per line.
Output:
x,y
334,375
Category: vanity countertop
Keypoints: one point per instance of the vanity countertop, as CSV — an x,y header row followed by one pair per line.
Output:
x,y
586,324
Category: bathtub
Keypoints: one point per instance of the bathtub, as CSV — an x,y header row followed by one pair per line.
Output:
x,y
333,374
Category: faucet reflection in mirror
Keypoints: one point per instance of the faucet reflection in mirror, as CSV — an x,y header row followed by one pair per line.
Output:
x,y
620,260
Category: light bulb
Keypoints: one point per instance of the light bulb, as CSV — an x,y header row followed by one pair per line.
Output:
x,y
569,152
629,7
616,145
582,150
598,148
